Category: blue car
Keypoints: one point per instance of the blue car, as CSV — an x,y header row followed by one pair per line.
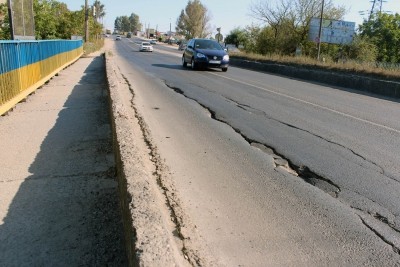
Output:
x,y
205,53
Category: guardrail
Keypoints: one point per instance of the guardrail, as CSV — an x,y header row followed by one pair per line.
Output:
x,y
363,83
27,65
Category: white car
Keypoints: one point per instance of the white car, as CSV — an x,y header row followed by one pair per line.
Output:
x,y
118,38
146,46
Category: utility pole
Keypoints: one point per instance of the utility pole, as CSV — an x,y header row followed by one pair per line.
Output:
x,y
219,33
10,18
320,29
86,21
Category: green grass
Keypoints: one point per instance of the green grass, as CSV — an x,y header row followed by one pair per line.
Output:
x,y
348,66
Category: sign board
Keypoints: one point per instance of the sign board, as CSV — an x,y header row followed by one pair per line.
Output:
x,y
22,19
333,31
76,37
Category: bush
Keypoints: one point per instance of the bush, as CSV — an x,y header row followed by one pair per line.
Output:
x,y
93,46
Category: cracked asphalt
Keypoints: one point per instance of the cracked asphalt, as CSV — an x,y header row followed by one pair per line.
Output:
x,y
234,169
325,152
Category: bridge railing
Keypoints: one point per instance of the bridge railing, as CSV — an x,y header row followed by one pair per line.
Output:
x,y
27,65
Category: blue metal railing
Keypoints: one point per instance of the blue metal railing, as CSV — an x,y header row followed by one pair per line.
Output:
x,y
26,65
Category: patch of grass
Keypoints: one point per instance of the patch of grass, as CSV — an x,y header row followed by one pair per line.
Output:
x,y
92,46
350,66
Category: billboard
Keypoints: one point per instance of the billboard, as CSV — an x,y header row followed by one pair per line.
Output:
x,y
333,31
22,19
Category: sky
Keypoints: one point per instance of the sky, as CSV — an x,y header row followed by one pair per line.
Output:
x,y
225,14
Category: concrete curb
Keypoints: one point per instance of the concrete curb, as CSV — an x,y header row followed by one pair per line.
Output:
x,y
365,84
117,116
147,224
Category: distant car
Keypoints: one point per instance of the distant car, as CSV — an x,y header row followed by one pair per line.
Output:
x,y
171,41
182,46
153,42
146,46
205,53
118,38
129,35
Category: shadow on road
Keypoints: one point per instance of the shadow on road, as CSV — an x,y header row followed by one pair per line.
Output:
x,y
66,213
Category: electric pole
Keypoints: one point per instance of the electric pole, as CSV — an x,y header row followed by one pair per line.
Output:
x,y
86,21
320,29
10,18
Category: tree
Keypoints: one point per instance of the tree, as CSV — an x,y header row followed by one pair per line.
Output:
x,y
118,24
384,32
289,20
194,20
126,25
134,22
53,20
123,24
361,49
237,37
99,10
45,24
4,23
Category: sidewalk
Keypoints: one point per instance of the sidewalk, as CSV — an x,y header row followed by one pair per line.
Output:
x,y
58,193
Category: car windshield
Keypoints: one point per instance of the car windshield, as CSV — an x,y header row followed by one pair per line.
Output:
x,y
145,43
207,44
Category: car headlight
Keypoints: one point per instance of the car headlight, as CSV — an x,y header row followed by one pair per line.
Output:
x,y
200,55
226,58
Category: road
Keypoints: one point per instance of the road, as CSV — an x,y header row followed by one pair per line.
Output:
x,y
271,170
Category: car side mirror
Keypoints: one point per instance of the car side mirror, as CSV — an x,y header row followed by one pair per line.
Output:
x,y
226,49
190,46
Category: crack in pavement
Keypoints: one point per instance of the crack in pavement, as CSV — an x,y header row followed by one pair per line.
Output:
x,y
376,213
302,172
172,201
395,248
249,108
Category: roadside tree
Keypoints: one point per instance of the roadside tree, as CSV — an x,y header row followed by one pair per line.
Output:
x,y
238,37
4,23
288,22
99,11
384,32
193,22
135,24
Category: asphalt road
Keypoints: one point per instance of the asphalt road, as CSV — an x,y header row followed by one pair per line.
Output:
x,y
272,170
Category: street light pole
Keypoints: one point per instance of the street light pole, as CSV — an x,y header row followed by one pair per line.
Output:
x,y
320,30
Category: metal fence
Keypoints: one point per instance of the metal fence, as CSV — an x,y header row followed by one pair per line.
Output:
x,y
27,65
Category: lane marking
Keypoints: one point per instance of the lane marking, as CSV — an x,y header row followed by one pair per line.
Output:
x,y
297,99
310,103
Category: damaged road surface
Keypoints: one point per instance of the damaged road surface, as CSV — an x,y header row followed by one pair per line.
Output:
x,y
270,171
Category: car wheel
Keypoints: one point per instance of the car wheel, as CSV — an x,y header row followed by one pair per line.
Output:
x,y
184,64
224,69
194,65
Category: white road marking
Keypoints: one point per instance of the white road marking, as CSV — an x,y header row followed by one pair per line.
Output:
x,y
309,103
297,99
